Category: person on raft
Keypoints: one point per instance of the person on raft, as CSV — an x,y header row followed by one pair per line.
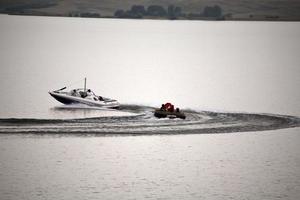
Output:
x,y
167,107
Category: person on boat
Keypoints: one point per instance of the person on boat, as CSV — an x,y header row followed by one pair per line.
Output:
x,y
73,92
172,108
162,107
169,107
177,110
101,98
88,92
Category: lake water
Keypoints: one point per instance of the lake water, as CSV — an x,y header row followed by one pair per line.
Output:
x,y
252,165
227,66
236,78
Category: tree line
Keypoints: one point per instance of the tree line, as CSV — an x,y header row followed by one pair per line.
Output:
x,y
172,12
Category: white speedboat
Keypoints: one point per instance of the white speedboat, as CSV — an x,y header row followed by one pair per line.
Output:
x,y
83,96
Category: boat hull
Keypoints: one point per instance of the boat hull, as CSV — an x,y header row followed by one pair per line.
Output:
x,y
67,99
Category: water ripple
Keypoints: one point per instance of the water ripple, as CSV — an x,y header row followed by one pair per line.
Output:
x,y
143,122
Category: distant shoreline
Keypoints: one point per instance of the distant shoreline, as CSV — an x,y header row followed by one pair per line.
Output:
x,y
161,18
204,10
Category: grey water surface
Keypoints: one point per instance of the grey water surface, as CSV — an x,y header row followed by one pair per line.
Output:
x,y
237,79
